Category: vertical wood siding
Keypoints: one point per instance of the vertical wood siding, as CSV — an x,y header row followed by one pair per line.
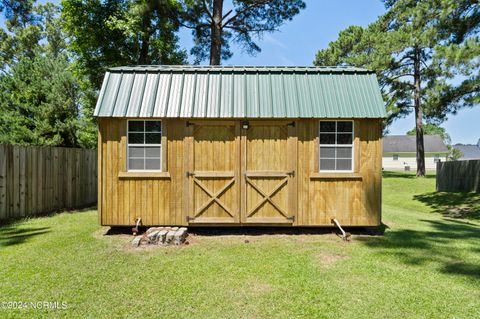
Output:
x,y
458,176
165,199
36,180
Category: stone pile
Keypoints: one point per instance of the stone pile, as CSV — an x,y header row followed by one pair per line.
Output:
x,y
161,236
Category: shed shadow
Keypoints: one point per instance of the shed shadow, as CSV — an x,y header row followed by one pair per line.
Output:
x,y
257,230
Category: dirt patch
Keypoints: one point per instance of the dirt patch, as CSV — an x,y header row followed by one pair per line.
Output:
x,y
458,212
328,259
258,287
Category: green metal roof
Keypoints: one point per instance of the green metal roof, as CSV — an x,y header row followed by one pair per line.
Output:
x,y
239,92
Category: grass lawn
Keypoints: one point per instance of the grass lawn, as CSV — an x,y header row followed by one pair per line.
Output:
x,y
425,266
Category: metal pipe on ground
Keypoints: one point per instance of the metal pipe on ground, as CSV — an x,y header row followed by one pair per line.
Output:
x,y
345,236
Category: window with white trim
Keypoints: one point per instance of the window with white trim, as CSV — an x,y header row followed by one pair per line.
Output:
x,y
395,157
144,145
436,158
336,146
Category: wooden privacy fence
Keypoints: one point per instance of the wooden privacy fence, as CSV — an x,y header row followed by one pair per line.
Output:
x,y
458,176
36,180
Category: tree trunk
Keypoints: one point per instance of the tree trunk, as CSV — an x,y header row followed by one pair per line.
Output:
x,y
418,114
216,29
145,37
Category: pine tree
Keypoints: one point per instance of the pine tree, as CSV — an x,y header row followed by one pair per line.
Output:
x,y
214,28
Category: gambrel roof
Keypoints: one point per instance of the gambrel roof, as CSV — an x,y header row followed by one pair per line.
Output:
x,y
239,92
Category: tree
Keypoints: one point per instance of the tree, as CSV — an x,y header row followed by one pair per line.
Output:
x,y
454,153
110,33
39,103
213,29
460,23
39,94
401,46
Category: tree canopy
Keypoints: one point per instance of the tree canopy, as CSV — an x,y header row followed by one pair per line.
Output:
x,y
39,94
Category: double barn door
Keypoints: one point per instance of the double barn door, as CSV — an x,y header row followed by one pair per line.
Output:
x,y
240,172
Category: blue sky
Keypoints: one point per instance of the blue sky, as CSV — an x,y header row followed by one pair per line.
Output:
x,y
298,40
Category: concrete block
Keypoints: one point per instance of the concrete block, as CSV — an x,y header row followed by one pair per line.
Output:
x,y
180,236
161,236
136,241
152,237
169,237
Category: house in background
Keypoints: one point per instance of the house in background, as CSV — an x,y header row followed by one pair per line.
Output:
x,y
399,152
469,151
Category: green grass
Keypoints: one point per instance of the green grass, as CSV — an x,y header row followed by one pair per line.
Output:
x,y
424,266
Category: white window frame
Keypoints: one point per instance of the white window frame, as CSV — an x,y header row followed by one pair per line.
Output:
x,y
336,145
144,145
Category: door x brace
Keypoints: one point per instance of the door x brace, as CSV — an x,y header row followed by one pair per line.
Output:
x,y
267,197
214,197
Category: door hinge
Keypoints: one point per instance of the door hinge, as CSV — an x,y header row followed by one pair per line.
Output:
x,y
188,174
189,218
292,124
187,124
291,174
292,218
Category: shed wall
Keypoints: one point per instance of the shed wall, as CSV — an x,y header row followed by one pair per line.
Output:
x,y
160,198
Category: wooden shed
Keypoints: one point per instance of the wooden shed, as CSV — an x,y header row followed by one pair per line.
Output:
x,y
195,145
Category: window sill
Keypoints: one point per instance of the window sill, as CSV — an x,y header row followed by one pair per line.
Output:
x,y
334,175
144,175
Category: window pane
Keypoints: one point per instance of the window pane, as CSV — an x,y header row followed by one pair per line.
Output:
x,y
152,152
135,126
153,126
344,165
327,126
344,138
344,126
135,163
152,163
153,138
327,152
344,152
327,164
135,152
327,138
135,138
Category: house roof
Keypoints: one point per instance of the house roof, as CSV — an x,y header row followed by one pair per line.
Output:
x,y
469,151
407,144
239,92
